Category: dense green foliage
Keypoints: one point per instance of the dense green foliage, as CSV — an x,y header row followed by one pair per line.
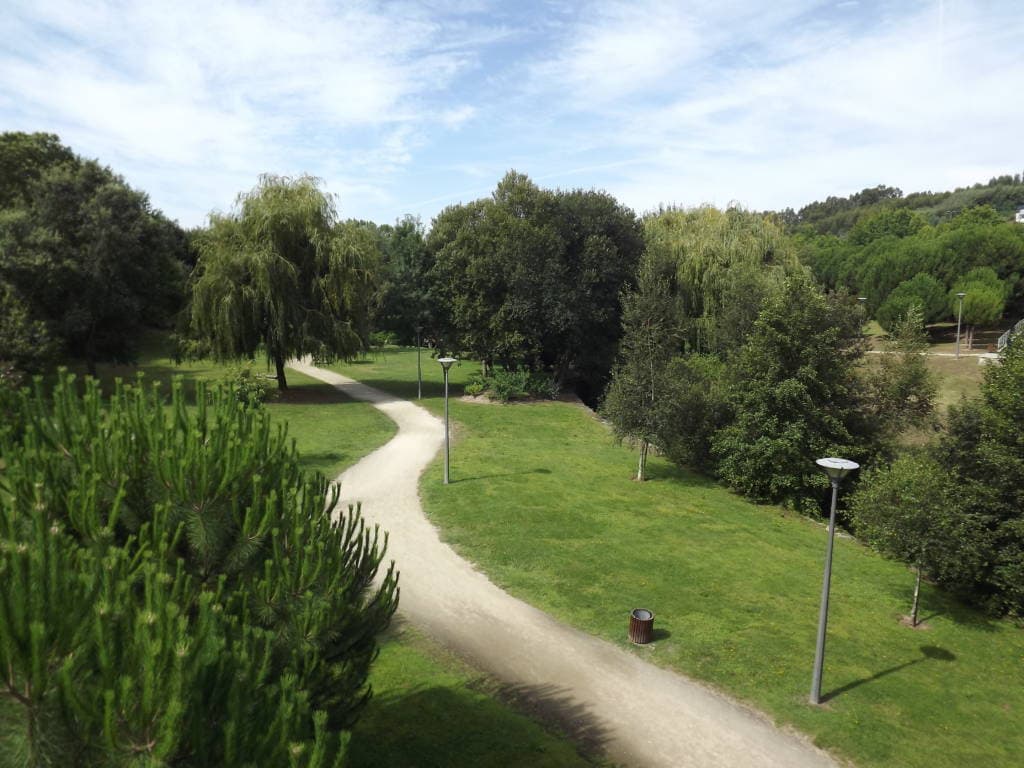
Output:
x,y
984,448
85,262
722,264
838,215
888,248
281,274
795,395
403,301
913,510
172,590
531,278
922,291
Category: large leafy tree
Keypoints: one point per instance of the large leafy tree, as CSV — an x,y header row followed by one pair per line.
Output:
x,y
795,394
725,263
923,291
403,302
280,273
532,278
83,257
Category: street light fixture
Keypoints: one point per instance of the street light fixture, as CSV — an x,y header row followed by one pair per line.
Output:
x,y
959,315
419,370
446,363
836,469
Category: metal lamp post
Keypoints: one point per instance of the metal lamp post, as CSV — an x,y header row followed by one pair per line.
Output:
x,y
446,363
959,315
419,370
836,469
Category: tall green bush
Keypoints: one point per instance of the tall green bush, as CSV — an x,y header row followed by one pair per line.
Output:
x,y
173,590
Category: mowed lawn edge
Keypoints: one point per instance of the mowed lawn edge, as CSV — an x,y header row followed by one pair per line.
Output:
x,y
541,499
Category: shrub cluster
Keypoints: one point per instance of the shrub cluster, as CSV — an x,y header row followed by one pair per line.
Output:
x,y
506,386
172,589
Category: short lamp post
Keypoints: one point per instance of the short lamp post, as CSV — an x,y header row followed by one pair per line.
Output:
x,y
959,316
419,369
446,363
836,469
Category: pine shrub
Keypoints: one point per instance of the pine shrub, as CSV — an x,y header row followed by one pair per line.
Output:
x,y
173,590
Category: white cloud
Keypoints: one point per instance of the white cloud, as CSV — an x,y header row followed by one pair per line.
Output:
x,y
169,94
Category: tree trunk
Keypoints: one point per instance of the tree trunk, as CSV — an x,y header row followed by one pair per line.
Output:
x,y
643,461
282,382
917,595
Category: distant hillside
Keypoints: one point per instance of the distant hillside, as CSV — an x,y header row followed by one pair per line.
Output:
x,y
837,215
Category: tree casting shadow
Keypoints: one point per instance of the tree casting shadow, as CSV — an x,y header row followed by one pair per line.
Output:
x,y
452,727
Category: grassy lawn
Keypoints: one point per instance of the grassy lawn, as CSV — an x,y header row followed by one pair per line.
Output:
x,y
542,500
428,709
431,711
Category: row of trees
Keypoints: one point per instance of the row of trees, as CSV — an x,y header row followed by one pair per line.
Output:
x,y
733,361
894,258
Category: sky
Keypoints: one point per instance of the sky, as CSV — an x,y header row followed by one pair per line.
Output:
x,y
408,107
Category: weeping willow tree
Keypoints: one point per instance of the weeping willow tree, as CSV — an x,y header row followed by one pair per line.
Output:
x,y
726,262
280,272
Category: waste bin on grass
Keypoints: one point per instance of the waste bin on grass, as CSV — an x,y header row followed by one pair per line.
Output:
x,y
641,625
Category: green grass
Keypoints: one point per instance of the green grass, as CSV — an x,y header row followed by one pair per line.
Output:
x,y
430,710
542,500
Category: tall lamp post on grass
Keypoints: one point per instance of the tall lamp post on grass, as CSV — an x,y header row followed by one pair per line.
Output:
x,y
836,469
419,370
959,316
446,363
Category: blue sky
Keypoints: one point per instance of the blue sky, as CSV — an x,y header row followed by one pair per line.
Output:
x,y
407,107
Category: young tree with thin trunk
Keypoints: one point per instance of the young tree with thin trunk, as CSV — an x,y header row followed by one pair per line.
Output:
x,y
281,274
912,511
651,335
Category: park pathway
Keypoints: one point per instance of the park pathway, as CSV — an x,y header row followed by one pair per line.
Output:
x,y
605,696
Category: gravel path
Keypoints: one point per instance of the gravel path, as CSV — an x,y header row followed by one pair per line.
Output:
x,y
607,698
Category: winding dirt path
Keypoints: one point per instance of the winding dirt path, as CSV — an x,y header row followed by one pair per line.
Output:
x,y
608,698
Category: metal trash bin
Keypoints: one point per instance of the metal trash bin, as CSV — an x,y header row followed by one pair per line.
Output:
x,y
641,625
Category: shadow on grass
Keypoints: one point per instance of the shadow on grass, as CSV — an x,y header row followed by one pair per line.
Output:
x,y
660,634
541,471
928,652
458,728
557,708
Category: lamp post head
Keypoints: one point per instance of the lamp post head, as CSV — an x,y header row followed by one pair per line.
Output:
x,y
960,295
862,299
446,362
837,469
